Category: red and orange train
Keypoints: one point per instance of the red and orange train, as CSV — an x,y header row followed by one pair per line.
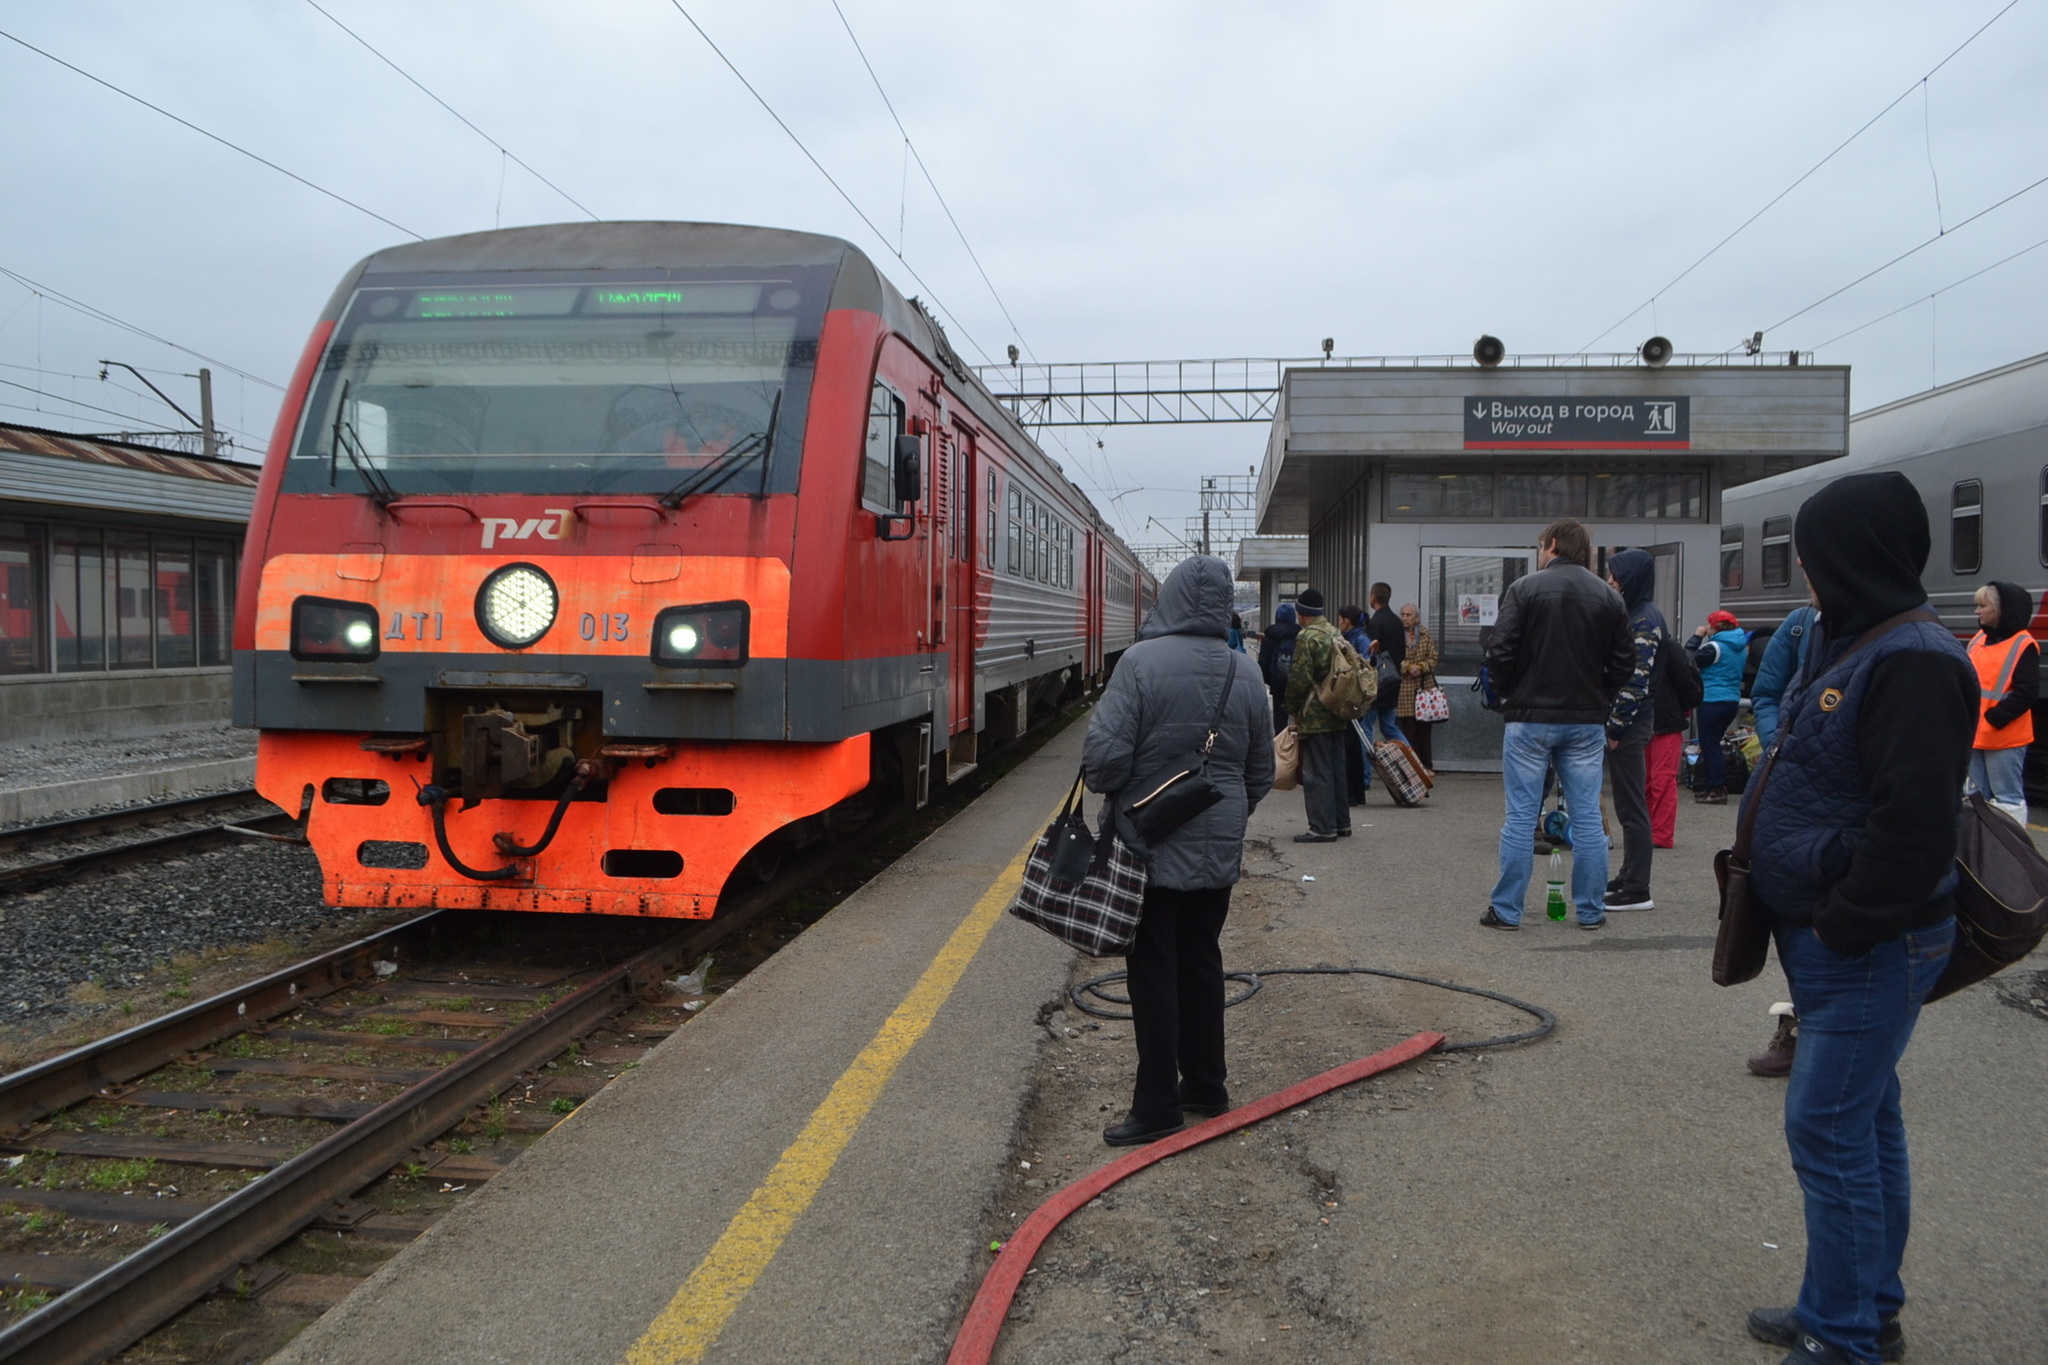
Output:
x,y
593,565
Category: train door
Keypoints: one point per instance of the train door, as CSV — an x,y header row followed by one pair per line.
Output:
x,y
959,584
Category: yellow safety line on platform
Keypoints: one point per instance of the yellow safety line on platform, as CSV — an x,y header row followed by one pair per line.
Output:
x,y
700,1309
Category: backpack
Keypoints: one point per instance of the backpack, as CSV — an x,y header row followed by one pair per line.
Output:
x,y
1348,689
1283,664
1683,675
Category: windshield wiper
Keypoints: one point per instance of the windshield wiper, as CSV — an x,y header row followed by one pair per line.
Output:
x,y
712,477
347,442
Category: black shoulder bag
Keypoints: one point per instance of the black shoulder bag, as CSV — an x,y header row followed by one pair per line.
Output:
x,y
1162,803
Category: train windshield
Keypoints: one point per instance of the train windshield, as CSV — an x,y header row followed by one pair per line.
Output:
x,y
607,386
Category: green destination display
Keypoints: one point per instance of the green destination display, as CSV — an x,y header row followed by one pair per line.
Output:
x,y
516,301
674,298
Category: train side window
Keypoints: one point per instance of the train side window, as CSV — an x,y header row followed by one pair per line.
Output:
x,y
2044,516
1777,543
885,424
1966,527
1731,559
1016,532
988,546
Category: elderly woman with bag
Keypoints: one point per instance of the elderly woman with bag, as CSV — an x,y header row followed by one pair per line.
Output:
x,y
1169,689
1418,680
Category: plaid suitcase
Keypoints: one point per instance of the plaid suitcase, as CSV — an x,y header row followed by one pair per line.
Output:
x,y
1398,771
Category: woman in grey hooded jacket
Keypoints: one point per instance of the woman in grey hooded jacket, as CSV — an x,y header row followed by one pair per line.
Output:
x,y
1156,708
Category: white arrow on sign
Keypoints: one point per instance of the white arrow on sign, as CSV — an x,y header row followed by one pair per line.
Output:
x,y
1479,409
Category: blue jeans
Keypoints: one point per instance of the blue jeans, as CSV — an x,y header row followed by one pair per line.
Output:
x,y
1843,1124
2001,774
1527,751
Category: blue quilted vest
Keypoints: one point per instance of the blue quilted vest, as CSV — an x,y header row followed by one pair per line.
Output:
x,y
1815,802
1722,679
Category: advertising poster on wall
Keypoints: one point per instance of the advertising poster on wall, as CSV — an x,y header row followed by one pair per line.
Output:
x,y
1478,608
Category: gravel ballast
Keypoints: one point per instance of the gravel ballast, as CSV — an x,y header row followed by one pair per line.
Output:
x,y
106,932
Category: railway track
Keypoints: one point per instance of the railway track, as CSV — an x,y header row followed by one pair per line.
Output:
x,y
350,1071
87,829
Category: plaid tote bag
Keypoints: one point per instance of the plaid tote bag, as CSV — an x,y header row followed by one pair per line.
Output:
x,y
1084,889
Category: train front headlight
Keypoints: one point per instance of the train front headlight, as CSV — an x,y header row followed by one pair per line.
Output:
x,y
516,605
710,635
327,630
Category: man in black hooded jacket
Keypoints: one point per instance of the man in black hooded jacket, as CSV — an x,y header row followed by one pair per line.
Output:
x,y
1854,856
1630,723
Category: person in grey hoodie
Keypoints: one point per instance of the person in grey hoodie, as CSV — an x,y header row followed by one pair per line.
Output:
x,y
1157,708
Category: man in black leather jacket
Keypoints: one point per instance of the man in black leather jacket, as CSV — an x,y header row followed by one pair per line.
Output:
x,y
1561,650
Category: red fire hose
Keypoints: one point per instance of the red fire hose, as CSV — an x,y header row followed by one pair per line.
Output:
x,y
977,1338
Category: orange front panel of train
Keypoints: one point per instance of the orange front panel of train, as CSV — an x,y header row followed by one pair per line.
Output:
x,y
771,785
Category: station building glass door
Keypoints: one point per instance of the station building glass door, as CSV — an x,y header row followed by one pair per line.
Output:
x,y
1461,592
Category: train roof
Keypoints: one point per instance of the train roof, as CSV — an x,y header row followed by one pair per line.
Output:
x,y
658,245
1997,402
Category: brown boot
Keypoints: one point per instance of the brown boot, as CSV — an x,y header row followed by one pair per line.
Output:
x,y
1775,1061
1712,796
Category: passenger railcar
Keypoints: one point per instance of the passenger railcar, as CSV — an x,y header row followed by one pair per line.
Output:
x,y
1976,449
592,564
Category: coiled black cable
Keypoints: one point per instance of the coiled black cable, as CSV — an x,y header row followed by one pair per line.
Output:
x,y
436,800
1254,981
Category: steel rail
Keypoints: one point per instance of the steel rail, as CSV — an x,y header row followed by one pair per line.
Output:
x,y
104,822
30,875
37,1091
128,1299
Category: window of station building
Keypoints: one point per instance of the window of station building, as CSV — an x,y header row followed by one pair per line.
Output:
x,y
1649,494
1966,527
1731,558
78,593
1777,543
100,599
878,459
128,644
1541,497
21,598
1417,494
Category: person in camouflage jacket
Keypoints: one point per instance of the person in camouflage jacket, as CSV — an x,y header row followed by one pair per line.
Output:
x,y
1323,735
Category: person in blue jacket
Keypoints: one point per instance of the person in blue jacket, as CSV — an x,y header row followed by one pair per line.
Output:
x,y
1784,656
1718,649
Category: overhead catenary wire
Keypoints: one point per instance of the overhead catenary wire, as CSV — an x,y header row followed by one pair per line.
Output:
x,y
1808,174
930,294
925,170
415,83
338,197
64,300
1929,297
1910,251
830,179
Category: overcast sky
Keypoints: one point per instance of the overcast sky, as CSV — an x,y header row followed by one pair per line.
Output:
x,y
1140,181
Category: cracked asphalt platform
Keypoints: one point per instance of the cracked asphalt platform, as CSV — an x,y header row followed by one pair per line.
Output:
x,y
1618,1192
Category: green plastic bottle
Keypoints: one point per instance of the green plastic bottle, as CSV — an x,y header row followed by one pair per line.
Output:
x,y
1554,904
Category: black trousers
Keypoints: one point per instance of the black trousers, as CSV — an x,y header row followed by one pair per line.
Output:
x,y
1322,779
1176,986
1627,783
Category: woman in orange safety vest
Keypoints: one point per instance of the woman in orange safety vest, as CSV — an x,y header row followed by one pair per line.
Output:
x,y
2008,663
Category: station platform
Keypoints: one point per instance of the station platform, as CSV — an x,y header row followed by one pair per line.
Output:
x,y
808,1174
812,1156
54,777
